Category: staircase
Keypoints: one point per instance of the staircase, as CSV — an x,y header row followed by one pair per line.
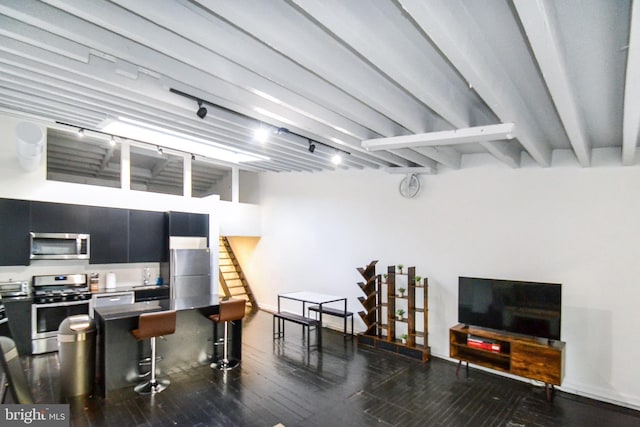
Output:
x,y
233,284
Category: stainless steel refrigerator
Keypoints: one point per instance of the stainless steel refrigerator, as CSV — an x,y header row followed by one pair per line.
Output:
x,y
189,273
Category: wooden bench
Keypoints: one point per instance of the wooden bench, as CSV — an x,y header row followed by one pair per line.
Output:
x,y
306,322
335,312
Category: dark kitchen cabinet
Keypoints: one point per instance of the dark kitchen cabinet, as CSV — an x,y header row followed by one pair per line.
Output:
x,y
148,240
109,228
188,224
59,218
14,231
19,315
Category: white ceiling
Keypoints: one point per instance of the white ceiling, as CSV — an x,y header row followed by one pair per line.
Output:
x,y
566,73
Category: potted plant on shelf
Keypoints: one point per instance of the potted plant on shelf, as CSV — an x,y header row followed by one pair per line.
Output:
x,y
418,281
401,290
400,267
403,337
400,313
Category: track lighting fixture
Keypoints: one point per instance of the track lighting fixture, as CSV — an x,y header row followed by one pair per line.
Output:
x,y
80,133
159,150
202,111
193,156
262,133
112,140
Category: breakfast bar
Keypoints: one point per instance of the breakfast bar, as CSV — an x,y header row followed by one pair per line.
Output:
x,y
119,353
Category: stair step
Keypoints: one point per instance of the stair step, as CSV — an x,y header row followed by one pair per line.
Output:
x,y
232,280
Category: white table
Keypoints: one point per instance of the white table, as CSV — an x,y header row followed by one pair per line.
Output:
x,y
314,298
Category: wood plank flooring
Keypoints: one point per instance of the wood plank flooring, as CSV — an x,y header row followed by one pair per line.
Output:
x,y
342,385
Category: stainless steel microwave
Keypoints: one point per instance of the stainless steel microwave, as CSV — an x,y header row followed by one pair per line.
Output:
x,y
59,246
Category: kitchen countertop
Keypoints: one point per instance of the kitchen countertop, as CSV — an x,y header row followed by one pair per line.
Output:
x,y
135,309
114,312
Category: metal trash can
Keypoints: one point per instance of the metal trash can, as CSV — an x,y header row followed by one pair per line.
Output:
x,y
77,354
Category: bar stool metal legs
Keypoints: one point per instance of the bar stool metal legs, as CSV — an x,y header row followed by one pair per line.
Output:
x,y
225,363
154,385
150,326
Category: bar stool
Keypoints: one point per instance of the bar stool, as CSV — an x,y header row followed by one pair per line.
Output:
x,y
230,310
150,326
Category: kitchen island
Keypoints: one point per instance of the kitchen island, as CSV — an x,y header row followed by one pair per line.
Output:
x,y
118,352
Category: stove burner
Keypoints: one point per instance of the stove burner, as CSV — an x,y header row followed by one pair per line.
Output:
x,y
60,295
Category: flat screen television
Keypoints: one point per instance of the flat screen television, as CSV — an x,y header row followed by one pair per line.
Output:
x,y
526,308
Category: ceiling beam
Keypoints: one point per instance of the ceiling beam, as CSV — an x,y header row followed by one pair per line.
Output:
x,y
445,155
631,118
471,55
446,93
447,137
185,60
415,157
187,19
539,23
311,45
43,39
506,151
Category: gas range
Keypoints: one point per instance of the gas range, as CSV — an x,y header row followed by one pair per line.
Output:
x,y
54,299
60,288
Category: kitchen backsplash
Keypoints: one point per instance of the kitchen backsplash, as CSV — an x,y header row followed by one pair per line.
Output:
x,y
126,274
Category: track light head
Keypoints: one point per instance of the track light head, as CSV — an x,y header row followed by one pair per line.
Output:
x,y
193,156
80,133
261,134
312,146
336,159
282,131
202,111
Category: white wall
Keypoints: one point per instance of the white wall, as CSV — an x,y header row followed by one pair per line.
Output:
x,y
249,187
564,224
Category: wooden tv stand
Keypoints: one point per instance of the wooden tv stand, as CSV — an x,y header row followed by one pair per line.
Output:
x,y
528,357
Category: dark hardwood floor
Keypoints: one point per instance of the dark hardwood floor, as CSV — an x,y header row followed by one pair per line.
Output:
x,y
342,385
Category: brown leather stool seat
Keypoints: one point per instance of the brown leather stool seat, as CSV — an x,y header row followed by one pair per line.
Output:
x,y
230,310
150,326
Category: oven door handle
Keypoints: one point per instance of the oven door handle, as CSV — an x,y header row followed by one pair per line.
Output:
x,y
61,304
